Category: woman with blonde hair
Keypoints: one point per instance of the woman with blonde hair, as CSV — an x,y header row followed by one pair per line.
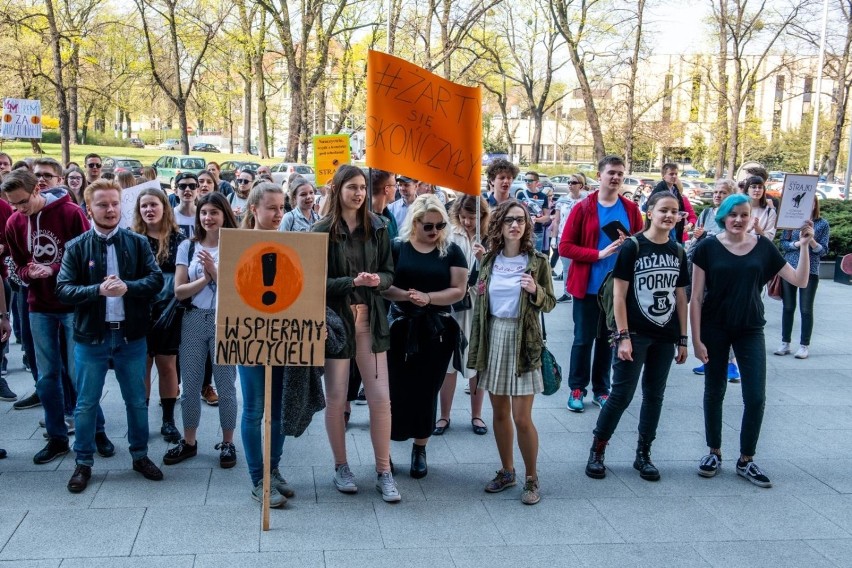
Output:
x,y
430,275
155,219
463,233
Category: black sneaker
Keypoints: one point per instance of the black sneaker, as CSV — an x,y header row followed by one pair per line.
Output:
x,y
227,455
180,452
30,402
6,393
710,465
51,451
170,432
750,471
362,398
565,298
26,362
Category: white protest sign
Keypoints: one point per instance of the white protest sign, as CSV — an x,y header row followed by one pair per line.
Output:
x,y
797,201
21,118
129,197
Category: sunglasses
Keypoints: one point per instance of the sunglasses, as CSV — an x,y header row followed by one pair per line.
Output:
x,y
429,227
44,175
94,166
509,221
187,186
575,183
530,180
241,181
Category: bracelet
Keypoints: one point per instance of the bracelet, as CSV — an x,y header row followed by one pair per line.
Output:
x,y
616,336
430,299
682,341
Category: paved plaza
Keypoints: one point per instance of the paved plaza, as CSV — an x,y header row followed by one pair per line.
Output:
x,y
202,516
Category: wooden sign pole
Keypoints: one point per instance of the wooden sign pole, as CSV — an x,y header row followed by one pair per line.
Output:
x,y
267,443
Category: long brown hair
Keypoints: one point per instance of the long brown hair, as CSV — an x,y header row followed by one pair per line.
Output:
x,y
495,228
467,203
344,173
168,225
218,201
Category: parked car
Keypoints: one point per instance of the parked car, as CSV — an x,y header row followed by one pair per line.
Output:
x,y
118,165
230,168
776,176
169,166
690,173
561,182
830,191
281,172
137,142
205,147
169,144
489,157
631,185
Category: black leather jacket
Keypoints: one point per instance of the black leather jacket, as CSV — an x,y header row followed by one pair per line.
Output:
x,y
84,268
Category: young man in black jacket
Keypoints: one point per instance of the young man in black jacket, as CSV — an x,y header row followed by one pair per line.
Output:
x,y
110,277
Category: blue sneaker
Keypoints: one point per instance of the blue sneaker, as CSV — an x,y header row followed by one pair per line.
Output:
x,y
699,370
575,401
733,373
600,400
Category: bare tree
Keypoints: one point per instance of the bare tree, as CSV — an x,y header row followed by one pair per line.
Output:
x,y
58,82
630,111
198,26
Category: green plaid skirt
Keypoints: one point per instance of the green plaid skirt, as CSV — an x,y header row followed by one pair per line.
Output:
x,y
499,375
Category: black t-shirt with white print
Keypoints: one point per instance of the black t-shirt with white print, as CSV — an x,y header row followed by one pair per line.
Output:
x,y
653,272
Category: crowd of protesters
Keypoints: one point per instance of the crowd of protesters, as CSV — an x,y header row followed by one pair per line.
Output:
x,y
422,288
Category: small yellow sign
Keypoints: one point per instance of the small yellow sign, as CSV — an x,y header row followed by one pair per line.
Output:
x,y
329,152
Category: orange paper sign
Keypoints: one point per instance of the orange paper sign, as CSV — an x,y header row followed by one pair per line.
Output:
x,y
422,125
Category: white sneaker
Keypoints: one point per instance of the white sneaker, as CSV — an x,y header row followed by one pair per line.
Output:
x,y
387,487
344,480
279,483
802,353
276,500
783,349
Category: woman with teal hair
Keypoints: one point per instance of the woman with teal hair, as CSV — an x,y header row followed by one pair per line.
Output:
x,y
732,268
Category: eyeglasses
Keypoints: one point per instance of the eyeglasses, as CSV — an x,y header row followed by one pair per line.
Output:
x,y
94,166
187,186
241,181
44,175
509,221
429,227
530,180
575,183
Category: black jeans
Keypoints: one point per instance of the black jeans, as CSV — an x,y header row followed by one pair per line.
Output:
x,y
750,349
656,357
806,308
590,337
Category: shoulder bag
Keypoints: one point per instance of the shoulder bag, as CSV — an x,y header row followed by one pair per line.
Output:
x,y
551,372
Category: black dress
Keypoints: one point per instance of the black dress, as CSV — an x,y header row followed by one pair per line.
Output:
x,y
422,340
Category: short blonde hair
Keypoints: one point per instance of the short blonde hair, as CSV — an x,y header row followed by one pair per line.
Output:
x,y
423,204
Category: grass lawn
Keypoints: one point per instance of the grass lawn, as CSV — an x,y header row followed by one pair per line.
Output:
x,y
149,155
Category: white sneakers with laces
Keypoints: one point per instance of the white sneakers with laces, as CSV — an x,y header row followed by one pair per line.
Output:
x,y
387,487
802,353
783,349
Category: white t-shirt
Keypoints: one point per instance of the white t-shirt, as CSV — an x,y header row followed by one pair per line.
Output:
x,y
238,206
186,224
206,298
504,288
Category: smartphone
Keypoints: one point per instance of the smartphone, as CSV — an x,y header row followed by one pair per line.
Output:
x,y
612,228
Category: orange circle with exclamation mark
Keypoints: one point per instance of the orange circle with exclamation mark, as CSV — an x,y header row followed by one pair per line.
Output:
x,y
269,277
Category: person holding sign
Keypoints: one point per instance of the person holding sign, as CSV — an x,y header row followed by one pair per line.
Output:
x,y
264,211
649,300
513,289
430,276
196,277
155,220
360,267
734,266
791,248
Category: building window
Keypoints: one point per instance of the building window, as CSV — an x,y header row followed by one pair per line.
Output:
x,y
809,89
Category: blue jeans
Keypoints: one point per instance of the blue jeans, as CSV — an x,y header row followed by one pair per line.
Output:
x,y
128,359
589,338
655,356
47,327
252,385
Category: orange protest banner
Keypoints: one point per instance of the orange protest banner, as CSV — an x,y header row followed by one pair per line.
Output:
x,y
422,125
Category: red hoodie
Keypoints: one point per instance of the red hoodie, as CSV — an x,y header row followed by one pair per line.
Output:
x,y
41,239
579,240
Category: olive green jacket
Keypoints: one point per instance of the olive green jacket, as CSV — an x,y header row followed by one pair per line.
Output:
x,y
530,344
339,285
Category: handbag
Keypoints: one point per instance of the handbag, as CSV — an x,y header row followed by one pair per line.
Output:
x,y
551,371
466,302
774,288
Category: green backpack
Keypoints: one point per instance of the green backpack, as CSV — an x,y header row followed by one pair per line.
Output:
x,y
606,291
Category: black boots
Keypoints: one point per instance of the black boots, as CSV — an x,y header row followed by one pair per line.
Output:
x,y
596,468
647,470
418,462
